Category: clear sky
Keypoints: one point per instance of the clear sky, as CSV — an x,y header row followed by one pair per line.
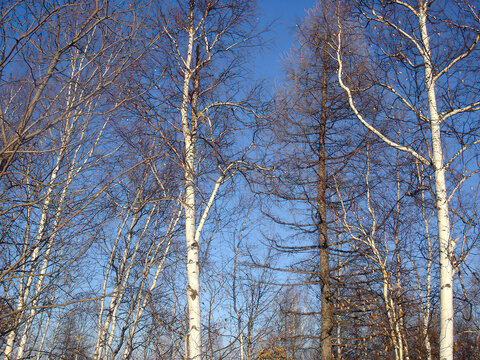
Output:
x,y
285,13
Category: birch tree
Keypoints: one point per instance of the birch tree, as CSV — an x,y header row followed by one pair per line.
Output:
x,y
200,99
379,227
52,132
426,56
139,253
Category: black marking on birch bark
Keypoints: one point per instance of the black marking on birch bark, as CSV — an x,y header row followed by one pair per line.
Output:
x,y
193,293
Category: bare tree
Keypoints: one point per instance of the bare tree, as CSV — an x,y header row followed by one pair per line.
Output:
x,y
53,122
203,48
379,236
427,84
310,141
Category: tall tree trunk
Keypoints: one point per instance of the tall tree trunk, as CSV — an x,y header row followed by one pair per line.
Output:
x,y
446,268
425,309
193,269
326,296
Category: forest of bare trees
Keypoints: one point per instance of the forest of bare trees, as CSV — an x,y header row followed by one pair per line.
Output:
x,y
160,199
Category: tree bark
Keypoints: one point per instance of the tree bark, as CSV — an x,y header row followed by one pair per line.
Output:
x,y
446,246
443,220
193,269
326,295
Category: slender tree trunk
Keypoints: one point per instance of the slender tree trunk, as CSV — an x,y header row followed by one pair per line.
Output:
x,y
326,295
425,309
141,302
193,270
69,128
237,311
39,240
446,268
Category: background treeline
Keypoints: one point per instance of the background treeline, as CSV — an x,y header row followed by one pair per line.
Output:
x,y
158,202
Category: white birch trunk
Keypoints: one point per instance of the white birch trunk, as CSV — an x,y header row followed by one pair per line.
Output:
x,y
141,303
8,351
25,293
446,339
41,232
108,327
193,269
101,324
446,267
56,225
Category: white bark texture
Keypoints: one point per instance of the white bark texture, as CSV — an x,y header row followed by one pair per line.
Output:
x,y
446,267
193,270
446,339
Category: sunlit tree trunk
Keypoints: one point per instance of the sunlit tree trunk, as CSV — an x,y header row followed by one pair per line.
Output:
x,y
36,261
193,248
446,267
431,73
425,305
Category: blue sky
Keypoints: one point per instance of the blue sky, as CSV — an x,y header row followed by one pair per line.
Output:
x,y
286,13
